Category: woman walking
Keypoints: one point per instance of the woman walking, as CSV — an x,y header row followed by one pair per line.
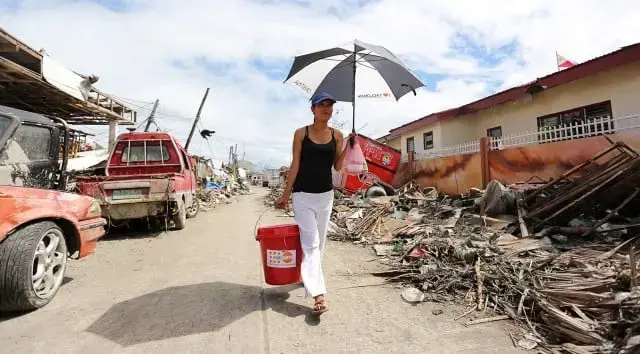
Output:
x,y
316,148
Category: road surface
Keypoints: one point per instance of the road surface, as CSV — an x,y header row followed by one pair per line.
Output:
x,y
201,290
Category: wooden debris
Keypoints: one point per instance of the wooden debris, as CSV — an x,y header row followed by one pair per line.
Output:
x,y
568,290
487,320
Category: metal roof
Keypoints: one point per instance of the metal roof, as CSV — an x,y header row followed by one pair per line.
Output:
x,y
23,86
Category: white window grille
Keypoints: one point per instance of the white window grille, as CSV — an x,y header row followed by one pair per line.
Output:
x,y
577,130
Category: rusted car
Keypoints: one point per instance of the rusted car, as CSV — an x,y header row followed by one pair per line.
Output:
x,y
148,175
40,226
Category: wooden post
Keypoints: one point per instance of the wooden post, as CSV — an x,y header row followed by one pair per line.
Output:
x,y
113,133
485,147
195,122
410,160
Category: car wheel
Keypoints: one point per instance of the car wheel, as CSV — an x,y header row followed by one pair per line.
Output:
x,y
33,261
375,191
181,217
193,210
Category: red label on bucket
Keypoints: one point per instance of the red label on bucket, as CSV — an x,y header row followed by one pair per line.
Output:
x,y
281,258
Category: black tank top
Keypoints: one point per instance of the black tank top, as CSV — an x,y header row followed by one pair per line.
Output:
x,y
314,173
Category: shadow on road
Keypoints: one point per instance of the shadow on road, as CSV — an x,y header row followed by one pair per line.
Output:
x,y
185,310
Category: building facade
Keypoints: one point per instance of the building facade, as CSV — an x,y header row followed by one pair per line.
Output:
x,y
586,99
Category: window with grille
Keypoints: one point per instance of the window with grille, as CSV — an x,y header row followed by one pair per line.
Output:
x,y
495,132
152,152
411,146
576,123
428,140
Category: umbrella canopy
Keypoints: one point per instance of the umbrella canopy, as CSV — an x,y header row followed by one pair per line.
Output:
x,y
379,73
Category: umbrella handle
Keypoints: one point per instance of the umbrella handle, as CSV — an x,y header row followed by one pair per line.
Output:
x,y
352,139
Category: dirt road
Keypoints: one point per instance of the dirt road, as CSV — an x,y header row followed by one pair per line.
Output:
x,y
201,290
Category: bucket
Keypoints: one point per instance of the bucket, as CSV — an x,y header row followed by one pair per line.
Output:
x,y
281,253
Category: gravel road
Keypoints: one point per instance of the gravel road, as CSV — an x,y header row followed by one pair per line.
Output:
x,y
201,290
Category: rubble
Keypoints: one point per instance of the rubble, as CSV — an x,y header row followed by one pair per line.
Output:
x,y
558,258
212,194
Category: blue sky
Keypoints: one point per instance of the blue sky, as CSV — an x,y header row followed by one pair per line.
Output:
x,y
242,50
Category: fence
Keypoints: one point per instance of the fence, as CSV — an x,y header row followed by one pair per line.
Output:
x,y
576,130
458,149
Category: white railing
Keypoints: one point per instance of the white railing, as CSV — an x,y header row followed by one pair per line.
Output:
x,y
577,130
592,127
458,149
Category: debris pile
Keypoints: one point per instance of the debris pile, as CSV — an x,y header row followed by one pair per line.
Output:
x,y
212,194
211,199
604,187
273,196
558,258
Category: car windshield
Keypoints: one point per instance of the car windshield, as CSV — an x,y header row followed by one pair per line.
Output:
x,y
4,125
29,143
27,157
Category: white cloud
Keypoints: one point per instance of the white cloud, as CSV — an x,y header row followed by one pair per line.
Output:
x,y
135,54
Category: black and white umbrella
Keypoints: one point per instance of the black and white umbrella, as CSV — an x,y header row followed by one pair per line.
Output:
x,y
379,73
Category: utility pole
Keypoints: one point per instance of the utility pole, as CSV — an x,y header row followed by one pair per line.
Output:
x,y
152,115
195,122
235,160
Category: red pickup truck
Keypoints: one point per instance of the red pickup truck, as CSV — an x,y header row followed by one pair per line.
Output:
x,y
147,175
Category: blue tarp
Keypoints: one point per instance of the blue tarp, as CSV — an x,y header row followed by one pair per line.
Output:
x,y
211,186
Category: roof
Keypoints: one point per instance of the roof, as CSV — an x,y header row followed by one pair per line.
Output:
x,y
387,137
25,116
138,136
32,81
625,55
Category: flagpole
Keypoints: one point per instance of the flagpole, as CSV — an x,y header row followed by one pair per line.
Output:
x,y
353,96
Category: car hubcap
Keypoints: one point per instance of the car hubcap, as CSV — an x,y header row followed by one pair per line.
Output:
x,y
193,207
48,263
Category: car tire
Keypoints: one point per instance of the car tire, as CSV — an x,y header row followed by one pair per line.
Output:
x,y
194,209
180,219
33,262
375,191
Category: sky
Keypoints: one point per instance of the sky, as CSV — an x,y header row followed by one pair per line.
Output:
x,y
170,50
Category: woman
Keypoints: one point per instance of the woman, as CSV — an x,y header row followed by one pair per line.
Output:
x,y
316,148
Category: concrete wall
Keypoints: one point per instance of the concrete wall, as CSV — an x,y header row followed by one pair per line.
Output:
x,y
620,85
456,174
395,143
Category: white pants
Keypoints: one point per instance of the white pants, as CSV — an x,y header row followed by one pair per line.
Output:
x,y
312,212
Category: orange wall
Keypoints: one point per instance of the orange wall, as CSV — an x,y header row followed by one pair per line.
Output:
x,y
450,175
456,174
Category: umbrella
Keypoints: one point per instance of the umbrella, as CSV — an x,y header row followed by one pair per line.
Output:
x,y
334,71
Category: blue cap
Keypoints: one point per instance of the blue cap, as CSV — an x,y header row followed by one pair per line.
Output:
x,y
321,96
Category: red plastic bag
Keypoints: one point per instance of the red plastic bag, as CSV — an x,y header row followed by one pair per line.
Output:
x,y
354,160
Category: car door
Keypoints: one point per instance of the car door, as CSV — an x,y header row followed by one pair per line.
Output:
x,y
190,177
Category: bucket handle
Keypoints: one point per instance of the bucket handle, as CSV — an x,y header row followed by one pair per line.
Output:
x,y
255,229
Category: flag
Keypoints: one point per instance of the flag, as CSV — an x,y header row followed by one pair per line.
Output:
x,y
564,63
